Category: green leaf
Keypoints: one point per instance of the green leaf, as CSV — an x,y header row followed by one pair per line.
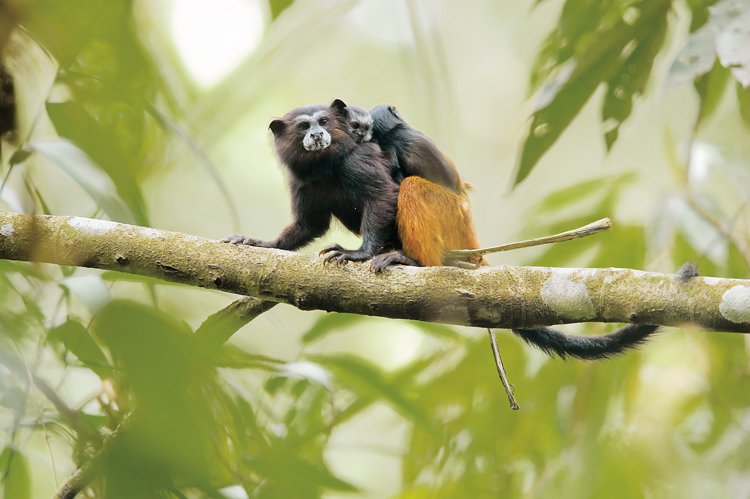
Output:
x,y
279,6
437,330
79,342
232,357
16,475
292,476
743,98
329,323
166,376
630,80
565,97
710,88
579,20
582,192
88,175
368,380
105,147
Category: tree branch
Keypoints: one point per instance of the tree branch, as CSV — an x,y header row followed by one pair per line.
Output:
x,y
504,296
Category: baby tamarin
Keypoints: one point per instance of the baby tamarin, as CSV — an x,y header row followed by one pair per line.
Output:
x,y
330,174
433,212
433,215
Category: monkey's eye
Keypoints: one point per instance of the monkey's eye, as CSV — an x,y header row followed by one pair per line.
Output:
x,y
303,125
323,121
355,124
367,126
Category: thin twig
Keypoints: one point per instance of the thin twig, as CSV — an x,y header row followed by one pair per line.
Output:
x,y
501,370
586,230
702,212
81,478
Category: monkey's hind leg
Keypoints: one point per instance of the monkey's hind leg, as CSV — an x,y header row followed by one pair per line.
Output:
x,y
385,260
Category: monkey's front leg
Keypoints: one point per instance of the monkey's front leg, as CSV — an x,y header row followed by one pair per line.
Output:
x,y
377,229
297,234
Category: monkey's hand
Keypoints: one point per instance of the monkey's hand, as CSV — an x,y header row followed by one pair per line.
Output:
x,y
239,239
340,256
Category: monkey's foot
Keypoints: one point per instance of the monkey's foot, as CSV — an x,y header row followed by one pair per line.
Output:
x,y
239,239
385,260
338,255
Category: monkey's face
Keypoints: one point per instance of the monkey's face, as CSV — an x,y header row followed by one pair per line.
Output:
x,y
360,124
314,130
309,127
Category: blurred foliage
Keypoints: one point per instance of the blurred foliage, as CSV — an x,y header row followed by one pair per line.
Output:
x,y
614,44
166,413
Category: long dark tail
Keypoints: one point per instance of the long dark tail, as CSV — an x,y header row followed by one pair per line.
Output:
x,y
554,342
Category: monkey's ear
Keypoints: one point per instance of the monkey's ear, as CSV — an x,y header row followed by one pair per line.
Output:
x,y
338,105
277,126
394,112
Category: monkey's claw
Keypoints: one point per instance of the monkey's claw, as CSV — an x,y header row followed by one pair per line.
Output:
x,y
341,257
329,249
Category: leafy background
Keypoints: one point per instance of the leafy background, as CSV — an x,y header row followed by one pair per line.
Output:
x,y
558,112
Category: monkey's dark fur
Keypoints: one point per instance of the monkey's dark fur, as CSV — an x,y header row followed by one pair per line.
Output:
x,y
331,175
554,342
416,153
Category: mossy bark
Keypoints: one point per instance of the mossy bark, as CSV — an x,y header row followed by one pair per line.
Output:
x,y
504,296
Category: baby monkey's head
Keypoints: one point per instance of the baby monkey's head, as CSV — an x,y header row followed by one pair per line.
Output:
x,y
360,123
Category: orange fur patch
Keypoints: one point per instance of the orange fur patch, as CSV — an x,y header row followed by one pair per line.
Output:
x,y
432,219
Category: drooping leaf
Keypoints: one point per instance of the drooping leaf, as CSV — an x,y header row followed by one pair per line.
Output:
x,y
105,147
743,98
16,476
362,377
79,342
279,6
630,80
88,175
174,390
310,479
598,57
232,357
329,323
437,330
600,188
710,88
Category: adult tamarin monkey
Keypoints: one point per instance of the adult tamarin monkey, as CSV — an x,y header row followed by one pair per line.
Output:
x,y
433,215
332,175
